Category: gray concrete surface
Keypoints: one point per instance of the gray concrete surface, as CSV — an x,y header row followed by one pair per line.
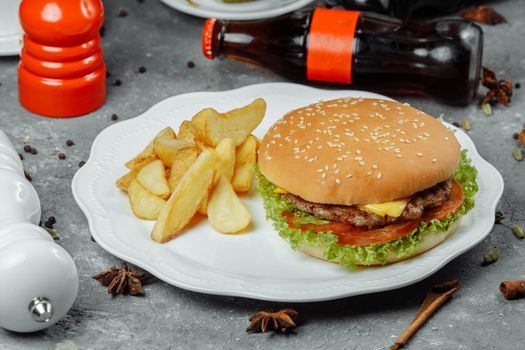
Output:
x,y
163,40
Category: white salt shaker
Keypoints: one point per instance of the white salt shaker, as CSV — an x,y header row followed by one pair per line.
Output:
x,y
38,278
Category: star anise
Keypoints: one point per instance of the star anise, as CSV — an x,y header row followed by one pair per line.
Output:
x,y
279,321
499,217
482,14
123,280
500,91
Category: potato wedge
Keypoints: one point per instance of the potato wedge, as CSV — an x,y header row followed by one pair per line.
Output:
x,y
203,207
211,126
168,149
149,152
182,162
185,199
186,132
259,141
224,164
226,212
245,159
225,156
153,177
124,180
144,204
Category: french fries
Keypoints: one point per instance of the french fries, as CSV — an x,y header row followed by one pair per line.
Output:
x,y
185,199
226,213
124,180
148,153
182,162
187,131
153,177
211,126
144,204
225,154
245,160
167,149
199,171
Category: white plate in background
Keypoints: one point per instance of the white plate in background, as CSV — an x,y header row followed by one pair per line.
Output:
x,y
255,9
10,28
258,264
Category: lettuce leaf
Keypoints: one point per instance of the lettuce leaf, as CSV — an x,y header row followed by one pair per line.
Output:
x,y
350,256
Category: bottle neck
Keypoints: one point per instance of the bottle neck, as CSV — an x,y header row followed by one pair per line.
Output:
x,y
279,43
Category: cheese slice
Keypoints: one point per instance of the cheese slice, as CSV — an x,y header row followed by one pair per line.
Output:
x,y
393,209
280,190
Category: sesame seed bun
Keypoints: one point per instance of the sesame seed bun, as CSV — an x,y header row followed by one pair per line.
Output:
x,y
428,242
357,151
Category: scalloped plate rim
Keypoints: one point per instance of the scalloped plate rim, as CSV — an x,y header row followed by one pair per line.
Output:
x,y
270,294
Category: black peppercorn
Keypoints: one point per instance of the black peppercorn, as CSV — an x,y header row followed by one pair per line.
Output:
x,y
28,176
33,150
27,148
117,82
114,117
69,143
62,155
142,69
190,64
123,13
81,164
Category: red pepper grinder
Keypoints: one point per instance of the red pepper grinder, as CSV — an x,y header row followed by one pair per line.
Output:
x,y
61,72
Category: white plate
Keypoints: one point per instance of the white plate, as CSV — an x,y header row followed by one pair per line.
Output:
x,y
10,28
10,45
258,264
256,9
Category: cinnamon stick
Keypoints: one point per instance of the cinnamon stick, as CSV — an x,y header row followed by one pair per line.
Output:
x,y
513,289
434,299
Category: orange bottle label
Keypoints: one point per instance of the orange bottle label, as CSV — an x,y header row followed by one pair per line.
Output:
x,y
330,45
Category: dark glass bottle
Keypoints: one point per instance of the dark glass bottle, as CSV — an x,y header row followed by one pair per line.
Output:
x,y
440,59
405,9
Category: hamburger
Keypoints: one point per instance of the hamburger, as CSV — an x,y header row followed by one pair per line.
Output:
x,y
360,181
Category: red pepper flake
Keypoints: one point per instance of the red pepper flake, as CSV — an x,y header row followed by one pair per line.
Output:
x,y
482,14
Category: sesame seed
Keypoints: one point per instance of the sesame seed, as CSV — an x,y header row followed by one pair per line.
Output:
x,y
337,181
374,166
379,175
399,155
434,160
349,176
324,175
369,173
419,154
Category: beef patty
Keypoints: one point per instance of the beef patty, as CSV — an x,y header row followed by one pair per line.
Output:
x,y
427,199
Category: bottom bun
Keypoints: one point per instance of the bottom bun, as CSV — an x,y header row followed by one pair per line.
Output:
x,y
429,241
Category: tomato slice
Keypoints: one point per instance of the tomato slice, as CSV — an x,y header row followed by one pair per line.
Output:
x,y
380,235
334,226
359,236
449,207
